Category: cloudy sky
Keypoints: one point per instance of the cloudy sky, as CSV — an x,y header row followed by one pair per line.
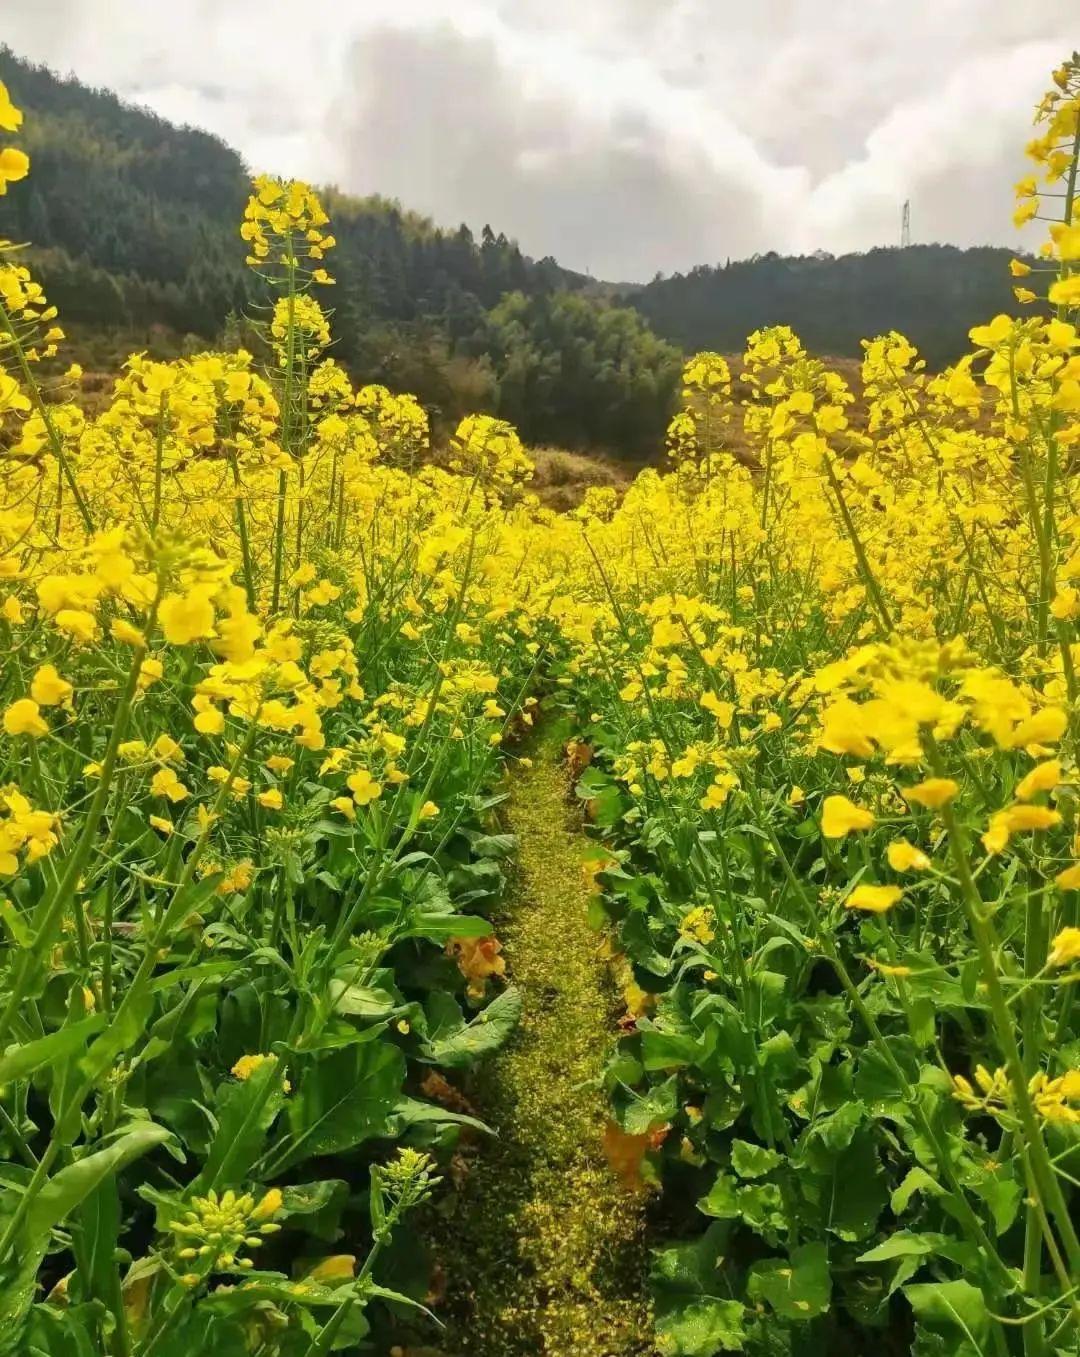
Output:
x,y
621,136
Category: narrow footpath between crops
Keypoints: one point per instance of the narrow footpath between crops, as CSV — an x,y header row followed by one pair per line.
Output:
x,y
543,1250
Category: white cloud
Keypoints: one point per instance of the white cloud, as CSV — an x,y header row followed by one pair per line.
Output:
x,y
624,136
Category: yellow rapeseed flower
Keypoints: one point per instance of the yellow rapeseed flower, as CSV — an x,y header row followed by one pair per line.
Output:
x,y
24,718
875,899
840,817
934,793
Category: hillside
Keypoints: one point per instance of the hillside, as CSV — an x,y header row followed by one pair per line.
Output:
x,y
134,230
931,293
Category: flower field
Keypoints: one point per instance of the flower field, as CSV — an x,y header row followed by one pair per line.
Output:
x,y
266,664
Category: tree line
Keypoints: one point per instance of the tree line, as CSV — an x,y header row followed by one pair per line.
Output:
x,y
933,294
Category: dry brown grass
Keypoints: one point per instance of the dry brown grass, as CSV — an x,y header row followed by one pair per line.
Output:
x,y
562,477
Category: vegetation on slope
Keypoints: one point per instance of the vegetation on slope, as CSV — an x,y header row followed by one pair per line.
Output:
x,y
933,294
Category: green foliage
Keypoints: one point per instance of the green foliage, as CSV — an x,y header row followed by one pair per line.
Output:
x,y
931,293
583,373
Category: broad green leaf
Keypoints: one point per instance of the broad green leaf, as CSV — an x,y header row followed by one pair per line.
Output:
x,y
722,1201
18,1062
412,1112
700,1327
641,1113
62,1194
696,1314
59,1333
853,1195
73,1184
915,1180
453,1043
879,1085
245,1111
903,1244
360,1001
320,1204
956,1311
767,996
779,1058
200,1331
127,1029
1000,1190
96,1238
761,1206
668,1050
493,845
753,1161
823,1140
343,1099
797,1289
439,927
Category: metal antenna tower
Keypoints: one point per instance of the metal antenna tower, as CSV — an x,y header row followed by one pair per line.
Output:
x,y
905,225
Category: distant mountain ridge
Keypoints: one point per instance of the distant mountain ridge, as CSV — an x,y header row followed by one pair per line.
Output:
x,y
931,293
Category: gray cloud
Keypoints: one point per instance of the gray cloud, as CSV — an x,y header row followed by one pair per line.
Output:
x,y
433,118
623,136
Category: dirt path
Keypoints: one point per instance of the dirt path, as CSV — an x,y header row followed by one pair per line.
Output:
x,y
543,1250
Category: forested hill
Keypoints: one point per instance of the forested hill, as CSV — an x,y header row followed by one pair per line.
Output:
x,y
134,227
931,293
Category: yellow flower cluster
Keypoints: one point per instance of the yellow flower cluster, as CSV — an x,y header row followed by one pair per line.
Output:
x,y
285,215
216,1227
14,164
489,451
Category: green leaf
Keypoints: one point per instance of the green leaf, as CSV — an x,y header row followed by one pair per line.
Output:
x,y
668,1050
796,1289
343,1099
823,1140
767,996
1001,1192
15,924
915,1180
693,1318
753,1161
61,1195
903,1244
453,1043
855,1192
127,1029
412,1112
722,1203
201,1331
493,845
245,1111
95,1242
955,1311
642,1113
190,900
761,1206
66,1189
18,1062
58,1333
878,1084
439,927
360,1001
320,1204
